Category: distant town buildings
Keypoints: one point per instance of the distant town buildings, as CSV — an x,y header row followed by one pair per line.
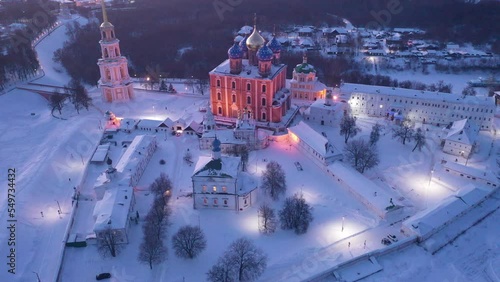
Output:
x,y
115,82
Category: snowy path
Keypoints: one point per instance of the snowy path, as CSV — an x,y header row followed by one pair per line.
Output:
x,y
45,153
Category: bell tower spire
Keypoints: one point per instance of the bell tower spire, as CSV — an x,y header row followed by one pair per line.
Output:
x,y
115,82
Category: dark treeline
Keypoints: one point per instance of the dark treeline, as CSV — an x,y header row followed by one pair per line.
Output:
x,y
18,60
153,31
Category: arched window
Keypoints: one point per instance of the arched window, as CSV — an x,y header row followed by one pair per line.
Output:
x,y
219,110
219,96
233,98
249,86
218,82
233,84
263,116
122,72
263,101
108,74
249,100
264,88
106,53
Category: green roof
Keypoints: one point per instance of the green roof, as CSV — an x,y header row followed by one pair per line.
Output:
x,y
304,68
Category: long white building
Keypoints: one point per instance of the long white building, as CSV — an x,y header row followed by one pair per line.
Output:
x,y
439,109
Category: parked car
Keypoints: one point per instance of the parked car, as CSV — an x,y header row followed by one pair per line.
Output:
x,y
386,241
392,237
103,276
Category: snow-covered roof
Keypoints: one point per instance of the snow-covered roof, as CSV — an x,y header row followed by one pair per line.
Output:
x,y
335,106
431,220
149,123
305,29
363,187
223,167
349,88
312,138
463,131
112,211
225,136
100,153
473,172
134,153
408,30
248,71
245,30
131,123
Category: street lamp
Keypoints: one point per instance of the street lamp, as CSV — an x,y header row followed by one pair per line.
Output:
x,y
343,219
59,210
430,178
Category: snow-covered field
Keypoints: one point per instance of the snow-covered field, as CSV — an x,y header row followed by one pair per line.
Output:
x,y
50,156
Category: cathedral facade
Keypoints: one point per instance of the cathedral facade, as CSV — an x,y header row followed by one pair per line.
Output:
x,y
115,82
251,79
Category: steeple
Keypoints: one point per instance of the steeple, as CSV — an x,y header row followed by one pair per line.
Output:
x,y
115,82
209,121
254,42
105,22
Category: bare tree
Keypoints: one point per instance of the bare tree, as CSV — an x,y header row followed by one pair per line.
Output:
x,y
108,243
57,101
348,127
296,214
243,151
161,185
243,261
267,219
469,91
405,131
157,218
361,155
273,180
222,271
375,133
419,138
189,242
151,251
78,94
201,85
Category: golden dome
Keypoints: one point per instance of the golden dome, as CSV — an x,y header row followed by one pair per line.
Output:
x,y
106,24
255,40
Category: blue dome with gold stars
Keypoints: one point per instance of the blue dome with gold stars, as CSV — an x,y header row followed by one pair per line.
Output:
x,y
274,45
235,52
265,53
243,44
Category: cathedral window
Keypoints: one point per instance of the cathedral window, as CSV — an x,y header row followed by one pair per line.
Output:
x,y
219,96
249,100
263,88
106,53
233,84
218,82
263,116
233,98
248,86
263,101
219,110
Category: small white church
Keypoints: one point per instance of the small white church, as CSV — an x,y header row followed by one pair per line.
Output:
x,y
219,182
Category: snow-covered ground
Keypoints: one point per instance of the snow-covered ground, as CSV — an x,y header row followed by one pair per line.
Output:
x,y
50,156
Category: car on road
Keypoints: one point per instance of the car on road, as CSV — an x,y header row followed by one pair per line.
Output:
x,y
103,276
392,237
386,241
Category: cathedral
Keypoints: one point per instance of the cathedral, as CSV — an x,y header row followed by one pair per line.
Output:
x,y
251,79
115,82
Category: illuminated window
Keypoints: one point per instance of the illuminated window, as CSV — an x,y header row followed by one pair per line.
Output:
x,y
214,188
